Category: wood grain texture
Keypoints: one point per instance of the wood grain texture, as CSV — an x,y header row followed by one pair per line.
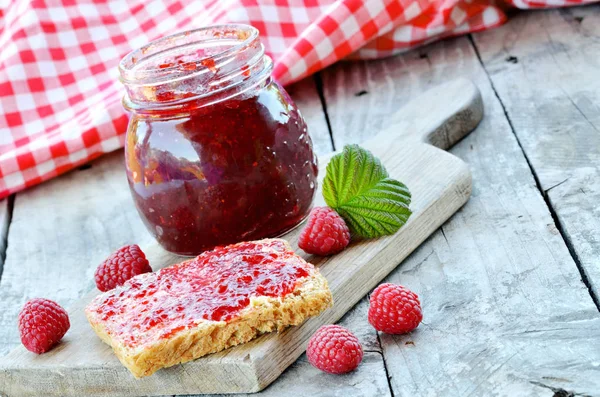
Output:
x,y
505,310
440,184
545,67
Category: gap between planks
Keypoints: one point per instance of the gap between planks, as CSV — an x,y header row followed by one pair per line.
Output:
x,y
543,192
6,208
543,66
319,86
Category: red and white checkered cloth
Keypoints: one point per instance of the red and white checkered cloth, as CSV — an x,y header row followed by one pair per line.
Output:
x,y
60,100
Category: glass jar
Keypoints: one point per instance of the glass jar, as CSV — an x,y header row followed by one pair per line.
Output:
x,y
216,151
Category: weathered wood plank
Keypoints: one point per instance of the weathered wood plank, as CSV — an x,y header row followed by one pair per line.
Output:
x,y
503,302
5,214
544,67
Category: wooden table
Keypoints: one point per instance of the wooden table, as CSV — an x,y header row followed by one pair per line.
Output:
x,y
510,285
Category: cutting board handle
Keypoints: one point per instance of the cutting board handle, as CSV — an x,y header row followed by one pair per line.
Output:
x,y
441,116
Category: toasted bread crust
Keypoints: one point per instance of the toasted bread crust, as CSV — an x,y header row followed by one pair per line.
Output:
x,y
264,314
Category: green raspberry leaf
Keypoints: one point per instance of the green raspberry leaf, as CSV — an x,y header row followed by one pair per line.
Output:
x,y
359,188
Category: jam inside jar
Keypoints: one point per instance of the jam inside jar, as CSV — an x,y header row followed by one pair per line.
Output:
x,y
216,151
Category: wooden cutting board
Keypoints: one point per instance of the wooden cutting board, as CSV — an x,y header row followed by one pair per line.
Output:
x,y
440,184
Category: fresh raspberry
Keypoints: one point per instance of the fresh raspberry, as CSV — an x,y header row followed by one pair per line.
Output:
x,y
394,309
325,232
122,265
42,323
334,349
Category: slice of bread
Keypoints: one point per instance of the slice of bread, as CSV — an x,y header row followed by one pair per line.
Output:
x,y
175,315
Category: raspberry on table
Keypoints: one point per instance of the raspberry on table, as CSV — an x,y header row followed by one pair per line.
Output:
x,y
334,349
325,233
42,323
120,266
394,309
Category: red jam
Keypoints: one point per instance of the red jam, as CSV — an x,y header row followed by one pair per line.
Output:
x,y
219,155
215,286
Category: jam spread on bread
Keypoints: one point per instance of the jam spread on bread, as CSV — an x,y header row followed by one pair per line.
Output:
x,y
215,286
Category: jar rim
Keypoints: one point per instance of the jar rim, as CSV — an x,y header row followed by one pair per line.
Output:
x,y
131,74
203,65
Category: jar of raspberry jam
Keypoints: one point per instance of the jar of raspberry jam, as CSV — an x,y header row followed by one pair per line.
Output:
x,y
216,151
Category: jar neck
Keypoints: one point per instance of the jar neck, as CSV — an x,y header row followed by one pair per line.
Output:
x,y
194,69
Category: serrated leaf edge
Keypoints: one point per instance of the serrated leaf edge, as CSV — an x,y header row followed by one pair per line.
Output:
x,y
356,166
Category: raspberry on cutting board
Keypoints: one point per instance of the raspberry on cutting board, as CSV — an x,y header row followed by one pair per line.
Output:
x,y
42,323
120,266
325,232
394,309
334,349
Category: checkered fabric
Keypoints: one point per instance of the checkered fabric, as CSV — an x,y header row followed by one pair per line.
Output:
x,y
60,97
